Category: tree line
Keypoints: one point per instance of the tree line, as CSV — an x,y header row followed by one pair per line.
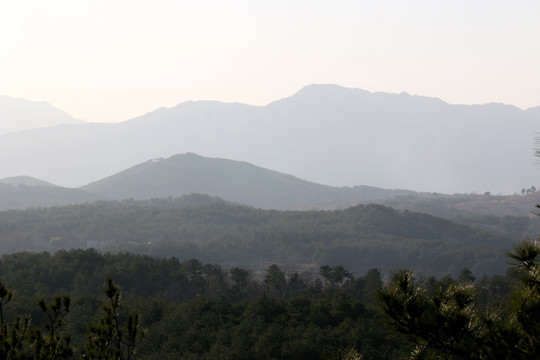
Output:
x,y
191,310
359,238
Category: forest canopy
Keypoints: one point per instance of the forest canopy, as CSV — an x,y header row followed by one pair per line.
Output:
x,y
191,310
211,230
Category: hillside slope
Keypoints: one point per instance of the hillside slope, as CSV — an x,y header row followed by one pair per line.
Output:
x,y
230,180
360,238
325,133
24,193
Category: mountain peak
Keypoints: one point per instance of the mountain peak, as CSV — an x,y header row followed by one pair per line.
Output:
x,y
231,180
20,114
328,134
329,91
24,180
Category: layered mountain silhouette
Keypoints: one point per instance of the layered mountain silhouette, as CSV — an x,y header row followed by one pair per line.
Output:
x,y
24,196
325,133
24,180
247,184
186,174
21,114
230,180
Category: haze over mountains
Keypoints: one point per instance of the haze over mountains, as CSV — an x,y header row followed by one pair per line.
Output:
x,y
363,235
247,184
21,114
324,133
233,181
186,174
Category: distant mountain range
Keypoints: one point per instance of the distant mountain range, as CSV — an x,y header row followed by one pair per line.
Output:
x,y
24,180
21,114
247,184
325,133
24,196
189,173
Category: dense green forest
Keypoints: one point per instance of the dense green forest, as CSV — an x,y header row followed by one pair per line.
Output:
x,y
214,231
449,322
191,310
200,278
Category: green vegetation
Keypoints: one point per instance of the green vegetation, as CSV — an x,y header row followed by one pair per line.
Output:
x,y
190,310
359,238
449,323
107,339
193,311
200,278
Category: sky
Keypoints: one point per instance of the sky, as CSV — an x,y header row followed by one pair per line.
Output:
x,y
109,61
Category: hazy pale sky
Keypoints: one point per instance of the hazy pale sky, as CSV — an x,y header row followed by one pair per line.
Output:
x,y
114,60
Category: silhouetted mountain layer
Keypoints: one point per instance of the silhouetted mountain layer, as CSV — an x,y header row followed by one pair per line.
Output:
x,y
251,185
25,196
326,133
21,114
24,180
230,180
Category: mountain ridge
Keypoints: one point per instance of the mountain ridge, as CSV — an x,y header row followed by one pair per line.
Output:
x,y
337,136
247,184
24,180
17,114
231,180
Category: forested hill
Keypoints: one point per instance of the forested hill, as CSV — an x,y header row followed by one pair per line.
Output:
x,y
360,238
235,181
248,184
23,193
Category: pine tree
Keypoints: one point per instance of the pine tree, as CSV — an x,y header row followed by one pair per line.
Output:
x,y
109,339
448,324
